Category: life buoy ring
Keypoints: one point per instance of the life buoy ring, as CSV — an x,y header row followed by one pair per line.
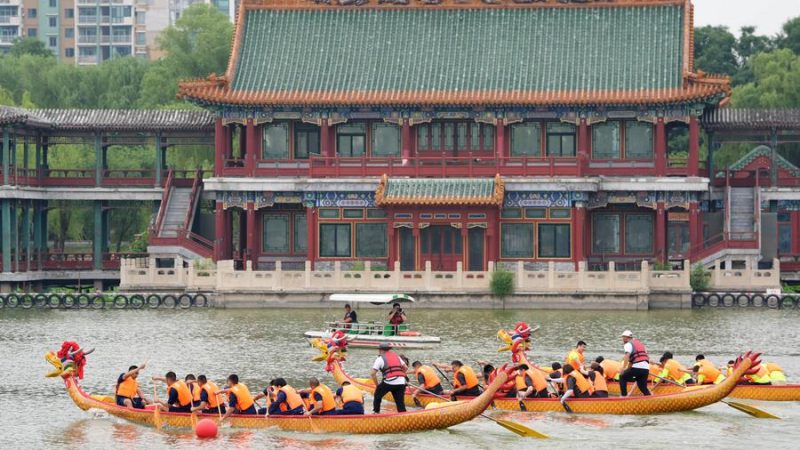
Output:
x,y
699,300
200,300
120,301
54,301
409,333
84,301
185,301
758,301
68,301
743,300
713,300
136,301
169,301
153,301
728,300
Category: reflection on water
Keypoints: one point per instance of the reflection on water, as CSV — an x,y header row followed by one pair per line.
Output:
x,y
260,345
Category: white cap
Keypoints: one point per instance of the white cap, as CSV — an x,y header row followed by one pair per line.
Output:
x,y
627,333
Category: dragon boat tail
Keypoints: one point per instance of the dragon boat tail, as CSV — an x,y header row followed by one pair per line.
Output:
x,y
445,416
762,392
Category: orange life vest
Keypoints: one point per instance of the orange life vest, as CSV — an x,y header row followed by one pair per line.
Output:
x,y
611,369
471,380
184,394
129,387
581,382
772,367
328,402
243,398
575,359
194,388
600,382
537,380
351,393
431,379
709,372
293,399
211,390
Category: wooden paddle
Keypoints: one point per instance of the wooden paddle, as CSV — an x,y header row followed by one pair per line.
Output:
x,y
514,427
747,409
156,410
452,397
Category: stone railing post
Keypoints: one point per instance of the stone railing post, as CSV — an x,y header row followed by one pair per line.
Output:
x,y
581,275
307,275
551,275
180,271
366,277
520,274
337,275
459,275
687,274
612,276
645,274
397,275
428,276
277,277
716,274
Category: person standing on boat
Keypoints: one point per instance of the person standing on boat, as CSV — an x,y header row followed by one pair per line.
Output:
x,y
240,401
397,317
394,371
635,364
350,317
427,379
465,381
179,397
351,398
127,392
209,401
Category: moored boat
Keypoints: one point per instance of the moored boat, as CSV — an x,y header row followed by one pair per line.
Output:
x,y
635,405
372,334
445,416
763,392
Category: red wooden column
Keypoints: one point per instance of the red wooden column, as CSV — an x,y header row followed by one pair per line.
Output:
x,y
795,217
325,139
219,232
219,147
227,145
694,146
579,234
661,232
311,235
250,148
252,250
227,240
464,246
405,142
391,236
583,146
695,228
660,149
500,140
492,240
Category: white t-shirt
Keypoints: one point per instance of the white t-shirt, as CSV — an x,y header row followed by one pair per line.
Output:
x,y
628,347
394,380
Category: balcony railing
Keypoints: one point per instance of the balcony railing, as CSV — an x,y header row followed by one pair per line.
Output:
x,y
87,177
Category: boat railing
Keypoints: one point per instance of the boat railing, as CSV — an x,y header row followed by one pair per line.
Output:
x,y
367,328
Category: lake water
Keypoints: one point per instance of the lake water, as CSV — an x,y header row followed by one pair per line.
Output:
x,y
259,345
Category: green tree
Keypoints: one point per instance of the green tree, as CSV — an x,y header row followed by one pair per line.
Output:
x,y
714,50
29,46
196,46
790,38
6,97
776,81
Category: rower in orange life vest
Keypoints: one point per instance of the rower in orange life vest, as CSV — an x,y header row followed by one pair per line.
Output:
x,y
635,365
321,400
530,383
427,379
179,397
598,380
127,392
576,359
465,382
393,370
611,369
240,401
209,399
576,384
287,401
191,382
673,370
351,398
705,372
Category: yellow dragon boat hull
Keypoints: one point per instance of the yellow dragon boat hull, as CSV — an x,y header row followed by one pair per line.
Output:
x,y
685,400
763,392
445,416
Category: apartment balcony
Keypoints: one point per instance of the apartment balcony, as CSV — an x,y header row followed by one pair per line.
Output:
x,y
7,40
122,39
87,59
10,20
87,19
88,39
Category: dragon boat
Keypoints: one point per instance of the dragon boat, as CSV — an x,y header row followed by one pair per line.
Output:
x,y
442,416
763,392
685,400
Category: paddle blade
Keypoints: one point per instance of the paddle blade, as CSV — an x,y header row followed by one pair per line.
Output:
x,y
752,410
520,429
157,417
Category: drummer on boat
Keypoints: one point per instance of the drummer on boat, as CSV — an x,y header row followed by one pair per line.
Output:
x,y
179,397
127,391
240,401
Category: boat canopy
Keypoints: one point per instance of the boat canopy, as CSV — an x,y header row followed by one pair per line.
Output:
x,y
375,299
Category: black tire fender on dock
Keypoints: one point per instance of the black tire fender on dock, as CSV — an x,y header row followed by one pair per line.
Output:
x,y
743,300
728,300
773,301
98,302
714,300
169,301
200,300
83,301
68,301
758,301
55,301
699,300
136,301
120,301
153,301
185,301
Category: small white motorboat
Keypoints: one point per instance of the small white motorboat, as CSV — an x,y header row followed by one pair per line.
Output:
x,y
372,334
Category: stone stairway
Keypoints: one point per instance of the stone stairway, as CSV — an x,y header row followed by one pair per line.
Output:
x,y
742,214
177,208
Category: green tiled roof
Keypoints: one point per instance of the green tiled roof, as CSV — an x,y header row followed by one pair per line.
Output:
x,y
440,191
517,49
762,150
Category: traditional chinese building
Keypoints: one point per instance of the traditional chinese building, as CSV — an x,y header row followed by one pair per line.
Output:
x,y
459,131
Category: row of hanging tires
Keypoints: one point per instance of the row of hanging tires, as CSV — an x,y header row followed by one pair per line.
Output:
x,y
744,300
93,301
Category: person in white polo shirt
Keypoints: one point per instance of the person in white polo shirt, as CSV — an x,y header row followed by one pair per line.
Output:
x,y
635,364
393,369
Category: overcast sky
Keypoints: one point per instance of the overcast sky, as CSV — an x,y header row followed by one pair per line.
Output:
x,y
767,16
